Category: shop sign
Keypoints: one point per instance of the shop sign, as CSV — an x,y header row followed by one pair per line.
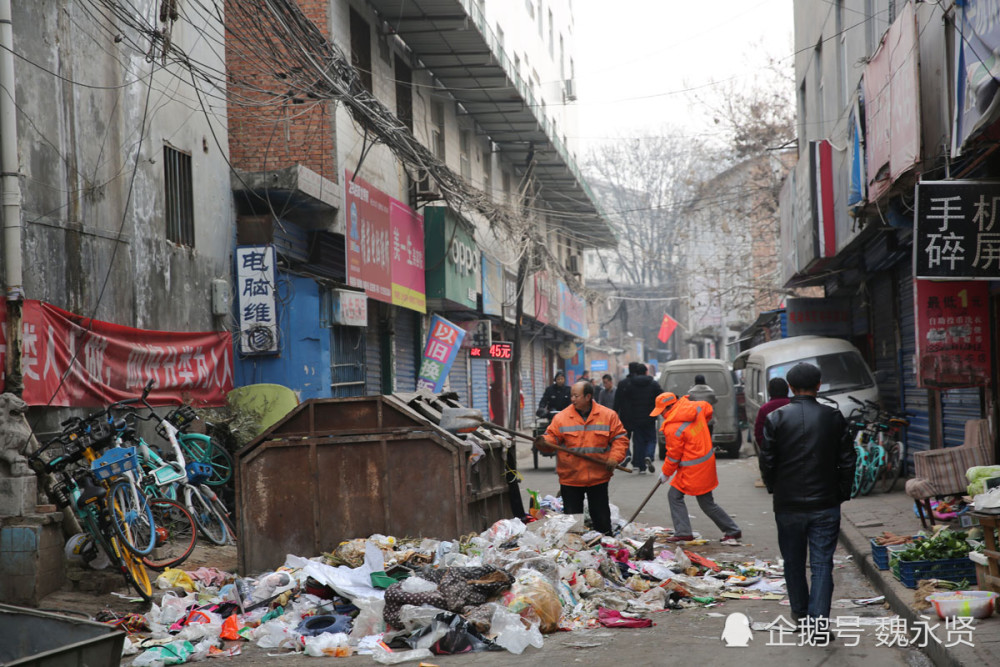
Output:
x,y
70,360
510,298
256,282
976,43
348,308
498,351
572,311
598,365
368,230
478,333
385,246
493,287
818,317
453,260
407,257
443,342
957,230
953,333
546,298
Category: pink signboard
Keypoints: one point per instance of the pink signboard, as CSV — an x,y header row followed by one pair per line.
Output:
x,y
368,230
407,244
892,109
953,333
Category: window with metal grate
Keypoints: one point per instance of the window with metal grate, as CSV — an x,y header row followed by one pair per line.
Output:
x,y
178,187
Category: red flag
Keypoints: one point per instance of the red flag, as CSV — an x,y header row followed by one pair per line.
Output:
x,y
666,328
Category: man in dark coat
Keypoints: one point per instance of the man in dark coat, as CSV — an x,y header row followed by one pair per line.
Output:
x,y
634,400
556,397
807,462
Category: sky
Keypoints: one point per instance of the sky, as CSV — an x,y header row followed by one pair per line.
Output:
x,y
632,60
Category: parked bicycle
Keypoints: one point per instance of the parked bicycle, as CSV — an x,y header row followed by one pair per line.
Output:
x,y
880,450
77,487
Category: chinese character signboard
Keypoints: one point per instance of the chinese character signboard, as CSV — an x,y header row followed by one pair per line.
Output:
x,y
367,240
349,308
70,360
407,257
953,342
443,341
453,261
572,311
256,283
957,230
493,287
598,365
818,317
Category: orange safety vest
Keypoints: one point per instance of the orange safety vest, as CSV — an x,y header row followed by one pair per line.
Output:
x,y
601,435
689,448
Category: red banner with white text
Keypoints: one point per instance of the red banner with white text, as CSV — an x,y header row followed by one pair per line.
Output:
x,y
109,362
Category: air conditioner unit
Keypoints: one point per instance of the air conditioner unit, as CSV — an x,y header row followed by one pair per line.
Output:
x,y
573,264
569,90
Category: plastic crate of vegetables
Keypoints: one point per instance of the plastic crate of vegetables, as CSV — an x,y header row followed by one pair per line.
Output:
x,y
943,556
881,546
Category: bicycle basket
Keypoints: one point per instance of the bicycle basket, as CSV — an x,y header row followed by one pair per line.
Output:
x,y
115,462
182,416
198,472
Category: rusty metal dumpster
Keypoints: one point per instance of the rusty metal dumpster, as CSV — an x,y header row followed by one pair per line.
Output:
x,y
30,638
338,469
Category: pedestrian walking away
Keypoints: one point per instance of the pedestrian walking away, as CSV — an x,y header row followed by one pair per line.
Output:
x,y
702,391
691,461
634,400
605,394
589,428
777,393
555,397
807,462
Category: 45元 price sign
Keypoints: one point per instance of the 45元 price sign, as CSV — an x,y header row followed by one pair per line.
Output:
x,y
957,230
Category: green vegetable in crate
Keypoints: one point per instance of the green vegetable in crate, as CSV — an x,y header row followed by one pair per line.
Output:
x,y
945,545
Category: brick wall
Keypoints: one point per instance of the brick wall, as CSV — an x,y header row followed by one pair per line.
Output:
x,y
264,138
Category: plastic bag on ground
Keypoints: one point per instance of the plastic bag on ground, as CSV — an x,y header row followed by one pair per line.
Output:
x,y
174,578
414,617
333,644
511,633
349,582
416,584
385,656
275,634
504,530
174,653
369,620
681,560
553,526
532,592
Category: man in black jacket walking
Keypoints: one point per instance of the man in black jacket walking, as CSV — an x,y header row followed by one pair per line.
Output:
x,y
634,400
807,462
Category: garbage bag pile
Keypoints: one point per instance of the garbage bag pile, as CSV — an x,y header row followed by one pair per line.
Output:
x,y
409,599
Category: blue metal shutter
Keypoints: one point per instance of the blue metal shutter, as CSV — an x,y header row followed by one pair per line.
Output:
x,y
406,340
458,378
480,386
539,379
883,309
957,407
914,399
373,352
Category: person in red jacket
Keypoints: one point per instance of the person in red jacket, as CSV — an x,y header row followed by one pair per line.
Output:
x,y
589,428
690,455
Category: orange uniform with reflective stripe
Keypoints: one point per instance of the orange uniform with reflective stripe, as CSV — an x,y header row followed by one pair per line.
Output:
x,y
601,436
689,448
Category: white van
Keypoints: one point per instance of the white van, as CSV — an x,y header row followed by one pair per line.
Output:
x,y
678,376
844,372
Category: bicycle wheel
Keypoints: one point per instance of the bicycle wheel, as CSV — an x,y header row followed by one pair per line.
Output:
x,y
220,508
209,523
134,571
859,470
894,465
176,534
202,448
131,518
873,468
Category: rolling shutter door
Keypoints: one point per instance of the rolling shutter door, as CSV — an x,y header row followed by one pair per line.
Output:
x,y
957,407
914,398
373,356
883,309
480,386
458,378
406,341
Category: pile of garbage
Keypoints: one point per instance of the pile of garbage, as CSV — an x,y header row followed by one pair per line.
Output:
x,y
409,599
